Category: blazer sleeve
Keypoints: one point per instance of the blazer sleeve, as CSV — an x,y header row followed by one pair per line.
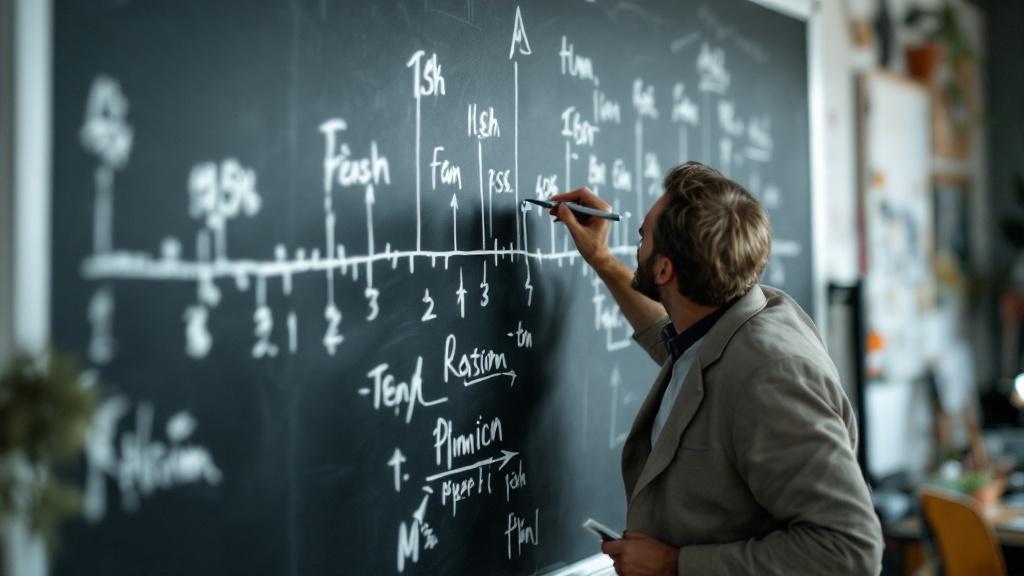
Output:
x,y
652,340
796,453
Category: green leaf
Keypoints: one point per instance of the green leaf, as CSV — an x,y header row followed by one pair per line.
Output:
x,y
914,15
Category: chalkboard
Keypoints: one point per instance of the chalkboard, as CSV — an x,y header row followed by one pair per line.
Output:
x,y
289,241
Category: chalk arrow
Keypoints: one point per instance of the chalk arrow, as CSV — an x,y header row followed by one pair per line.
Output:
x,y
370,200
455,222
396,463
511,374
519,40
507,456
504,459
613,437
421,512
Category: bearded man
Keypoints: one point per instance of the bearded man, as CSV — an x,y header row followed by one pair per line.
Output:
x,y
741,460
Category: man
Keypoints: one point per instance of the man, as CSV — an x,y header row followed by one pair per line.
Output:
x,y
741,459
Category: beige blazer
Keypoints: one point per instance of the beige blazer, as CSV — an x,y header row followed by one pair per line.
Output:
x,y
755,471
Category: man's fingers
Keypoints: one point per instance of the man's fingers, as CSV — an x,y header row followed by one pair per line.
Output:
x,y
633,535
613,547
565,214
583,196
572,196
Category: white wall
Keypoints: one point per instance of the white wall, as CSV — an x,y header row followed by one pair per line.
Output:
x,y
842,62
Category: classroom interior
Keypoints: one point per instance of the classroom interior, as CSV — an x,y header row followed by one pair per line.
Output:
x,y
916,158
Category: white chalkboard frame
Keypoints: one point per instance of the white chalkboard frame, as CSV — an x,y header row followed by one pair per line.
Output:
x,y
819,214
25,197
32,91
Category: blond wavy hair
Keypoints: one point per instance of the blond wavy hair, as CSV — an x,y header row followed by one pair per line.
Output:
x,y
715,232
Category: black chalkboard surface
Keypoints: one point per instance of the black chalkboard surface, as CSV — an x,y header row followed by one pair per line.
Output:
x,y
289,238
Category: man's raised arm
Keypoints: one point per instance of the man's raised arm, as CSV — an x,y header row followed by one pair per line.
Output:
x,y
591,238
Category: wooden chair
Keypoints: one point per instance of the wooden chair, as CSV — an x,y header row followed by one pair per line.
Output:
x,y
966,541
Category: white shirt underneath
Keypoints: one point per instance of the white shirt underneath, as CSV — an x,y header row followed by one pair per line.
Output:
x,y
675,384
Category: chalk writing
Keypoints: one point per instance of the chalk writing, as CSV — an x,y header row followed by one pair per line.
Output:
x,y
136,461
388,392
363,255
576,65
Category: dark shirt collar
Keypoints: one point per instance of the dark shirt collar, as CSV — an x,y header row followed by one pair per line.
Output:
x,y
678,344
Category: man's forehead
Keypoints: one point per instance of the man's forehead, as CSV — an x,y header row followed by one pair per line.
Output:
x,y
654,211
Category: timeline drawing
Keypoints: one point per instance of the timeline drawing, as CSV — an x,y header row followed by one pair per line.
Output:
x,y
442,441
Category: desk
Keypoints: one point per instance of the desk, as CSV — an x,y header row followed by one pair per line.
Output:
x,y
903,540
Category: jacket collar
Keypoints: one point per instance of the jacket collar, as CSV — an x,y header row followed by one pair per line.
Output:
x,y
679,343
748,306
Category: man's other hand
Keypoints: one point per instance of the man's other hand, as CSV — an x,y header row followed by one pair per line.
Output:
x,y
589,234
640,555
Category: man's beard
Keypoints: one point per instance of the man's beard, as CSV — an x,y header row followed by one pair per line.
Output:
x,y
643,280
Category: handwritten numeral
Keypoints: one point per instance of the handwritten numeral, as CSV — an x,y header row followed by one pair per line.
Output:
x,y
332,338
429,314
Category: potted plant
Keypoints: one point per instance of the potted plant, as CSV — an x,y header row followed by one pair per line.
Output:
x,y
45,411
941,35
944,60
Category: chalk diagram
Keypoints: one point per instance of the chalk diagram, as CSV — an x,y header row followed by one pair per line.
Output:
x,y
222,192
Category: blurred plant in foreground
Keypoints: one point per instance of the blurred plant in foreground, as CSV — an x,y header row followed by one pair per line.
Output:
x,y
45,412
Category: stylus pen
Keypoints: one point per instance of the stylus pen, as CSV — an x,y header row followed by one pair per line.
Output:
x,y
578,208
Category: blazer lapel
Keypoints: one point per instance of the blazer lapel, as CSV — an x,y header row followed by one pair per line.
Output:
x,y
679,418
657,459
638,443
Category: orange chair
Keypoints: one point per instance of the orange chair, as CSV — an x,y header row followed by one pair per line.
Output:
x,y
966,542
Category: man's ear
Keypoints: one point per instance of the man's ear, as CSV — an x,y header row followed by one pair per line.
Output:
x,y
663,270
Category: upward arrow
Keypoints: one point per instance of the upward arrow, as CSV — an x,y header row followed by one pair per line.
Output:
x,y
370,201
455,223
519,40
613,433
421,512
396,462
